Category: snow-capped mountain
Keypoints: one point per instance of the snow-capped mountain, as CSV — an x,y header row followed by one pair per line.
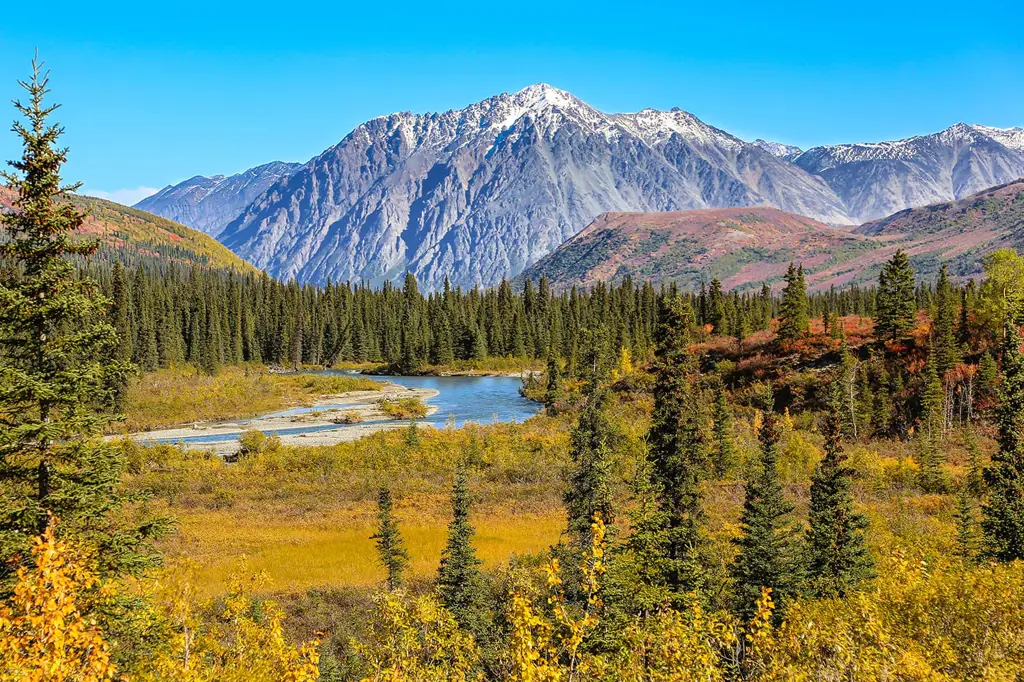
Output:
x,y
877,179
779,149
210,203
480,193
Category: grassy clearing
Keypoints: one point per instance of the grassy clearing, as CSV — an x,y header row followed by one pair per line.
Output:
x,y
305,514
182,395
335,550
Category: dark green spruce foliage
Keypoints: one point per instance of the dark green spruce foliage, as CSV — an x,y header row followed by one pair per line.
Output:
x,y
838,558
678,455
210,318
768,552
895,300
968,542
390,546
59,367
725,448
460,584
1003,521
715,307
589,491
930,454
553,391
793,316
944,337
638,572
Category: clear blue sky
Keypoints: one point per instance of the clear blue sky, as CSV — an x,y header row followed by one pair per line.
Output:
x,y
155,93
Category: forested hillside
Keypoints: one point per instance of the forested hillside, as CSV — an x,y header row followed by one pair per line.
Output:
x,y
135,237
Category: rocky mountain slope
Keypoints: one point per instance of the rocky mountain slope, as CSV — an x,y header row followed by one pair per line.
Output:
x,y
743,247
210,203
783,151
134,236
481,193
878,179
957,232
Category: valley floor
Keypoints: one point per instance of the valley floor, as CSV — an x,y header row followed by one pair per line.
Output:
x,y
324,413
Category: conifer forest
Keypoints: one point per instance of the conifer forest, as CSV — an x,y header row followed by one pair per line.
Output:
x,y
757,484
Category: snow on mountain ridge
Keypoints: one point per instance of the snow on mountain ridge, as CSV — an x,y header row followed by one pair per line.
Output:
x,y
1009,137
779,149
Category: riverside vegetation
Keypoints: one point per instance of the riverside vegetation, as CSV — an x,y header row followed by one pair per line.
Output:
x,y
724,486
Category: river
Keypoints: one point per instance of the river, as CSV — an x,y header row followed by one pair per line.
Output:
x,y
480,399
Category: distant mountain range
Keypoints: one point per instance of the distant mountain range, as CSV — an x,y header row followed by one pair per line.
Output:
x,y
134,236
210,203
484,192
744,247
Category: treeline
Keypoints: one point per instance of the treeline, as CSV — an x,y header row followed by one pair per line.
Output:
x,y
211,317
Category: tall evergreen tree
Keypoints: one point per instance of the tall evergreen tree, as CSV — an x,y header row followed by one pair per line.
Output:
x,y
678,455
768,554
715,315
588,491
944,338
390,546
838,558
1003,519
725,448
895,300
56,369
460,584
553,392
794,321
968,541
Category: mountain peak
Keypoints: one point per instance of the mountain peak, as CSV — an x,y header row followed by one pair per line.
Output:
x,y
1008,137
779,149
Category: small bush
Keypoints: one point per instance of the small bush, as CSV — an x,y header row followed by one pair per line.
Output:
x,y
253,442
402,408
348,417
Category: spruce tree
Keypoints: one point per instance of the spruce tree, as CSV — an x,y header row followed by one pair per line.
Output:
x,y
725,448
552,393
120,316
1003,511
968,542
460,584
638,568
895,300
588,491
932,400
944,338
715,315
838,558
793,316
390,546
58,362
768,554
678,455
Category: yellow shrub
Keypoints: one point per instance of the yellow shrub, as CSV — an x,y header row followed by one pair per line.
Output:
x,y
676,647
917,622
415,640
243,641
45,632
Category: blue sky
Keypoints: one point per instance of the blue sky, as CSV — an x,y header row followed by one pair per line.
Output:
x,y
155,93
